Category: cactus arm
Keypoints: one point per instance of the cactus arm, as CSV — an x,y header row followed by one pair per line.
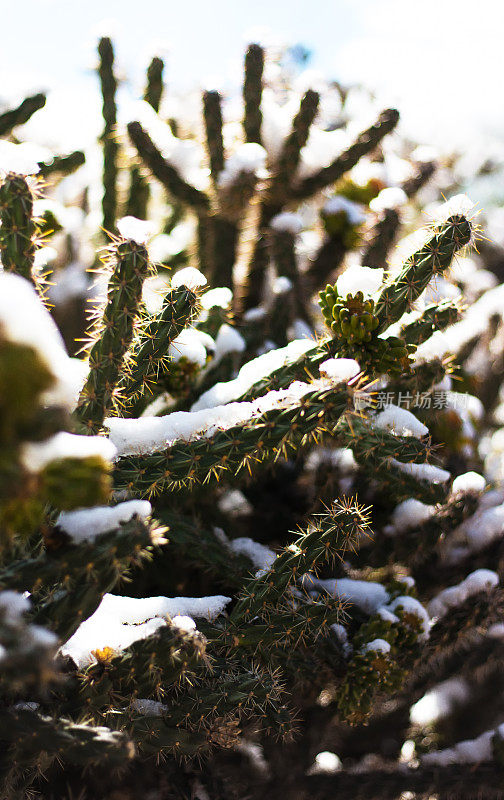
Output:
x,y
117,325
154,89
252,93
165,172
212,115
21,114
62,165
431,259
108,84
365,143
179,306
17,229
200,461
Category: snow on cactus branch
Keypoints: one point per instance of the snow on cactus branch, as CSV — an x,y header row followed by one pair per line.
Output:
x,y
25,320
120,621
85,525
151,434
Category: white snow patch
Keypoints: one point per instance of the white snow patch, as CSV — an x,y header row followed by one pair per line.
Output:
x,y
470,751
399,421
24,319
391,197
357,278
367,595
422,472
36,455
86,524
228,340
409,514
379,645
249,158
151,434
20,159
252,372
190,277
340,369
139,230
440,701
287,221
220,297
481,580
468,482
120,621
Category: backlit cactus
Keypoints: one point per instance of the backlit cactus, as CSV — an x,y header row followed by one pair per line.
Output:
x,y
244,535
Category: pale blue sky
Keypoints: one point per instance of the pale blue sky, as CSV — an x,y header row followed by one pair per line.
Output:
x,y
438,60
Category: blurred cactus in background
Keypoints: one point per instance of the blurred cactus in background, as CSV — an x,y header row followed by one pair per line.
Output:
x,y
251,505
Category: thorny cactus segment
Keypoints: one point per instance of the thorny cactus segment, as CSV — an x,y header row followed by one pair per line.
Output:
x,y
115,331
433,258
17,228
179,307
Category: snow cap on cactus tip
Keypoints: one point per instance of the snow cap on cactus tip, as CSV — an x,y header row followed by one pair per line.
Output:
x,y
36,455
139,230
359,279
21,159
220,297
340,369
287,221
88,523
391,197
468,482
190,277
459,204
400,421
377,645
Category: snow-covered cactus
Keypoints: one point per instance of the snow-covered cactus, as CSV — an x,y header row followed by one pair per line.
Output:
x,y
251,536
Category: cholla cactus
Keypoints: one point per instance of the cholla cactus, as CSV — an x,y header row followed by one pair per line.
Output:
x,y
225,541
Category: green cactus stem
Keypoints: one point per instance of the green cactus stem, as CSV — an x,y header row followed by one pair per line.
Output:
x,y
108,84
62,165
115,332
154,88
431,259
17,229
179,307
212,115
252,93
434,318
270,436
329,537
